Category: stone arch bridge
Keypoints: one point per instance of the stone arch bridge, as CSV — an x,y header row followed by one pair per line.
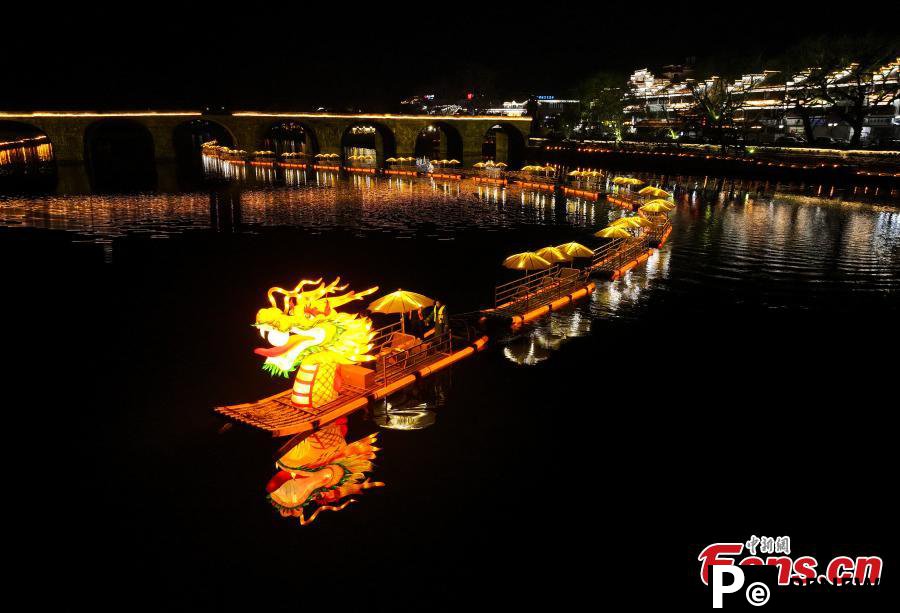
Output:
x,y
69,132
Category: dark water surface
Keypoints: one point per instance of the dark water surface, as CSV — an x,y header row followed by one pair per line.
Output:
x,y
740,382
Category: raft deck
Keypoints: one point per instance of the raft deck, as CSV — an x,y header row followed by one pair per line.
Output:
x,y
394,370
538,293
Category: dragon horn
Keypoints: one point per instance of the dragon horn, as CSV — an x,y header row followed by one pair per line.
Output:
x,y
337,301
288,293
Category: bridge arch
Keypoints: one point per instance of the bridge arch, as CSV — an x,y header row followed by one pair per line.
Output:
x,y
119,154
26,157
439,141
368,138
187,140
503,142
290,136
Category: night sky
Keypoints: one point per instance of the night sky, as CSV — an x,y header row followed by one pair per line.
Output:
x,y
291,56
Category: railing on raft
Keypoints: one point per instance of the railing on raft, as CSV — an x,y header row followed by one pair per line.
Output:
x,y
537,288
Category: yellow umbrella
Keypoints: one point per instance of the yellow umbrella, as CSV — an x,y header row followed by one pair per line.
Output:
x,y
633,181
453,162
657,206
400,302
526,261
391,160
575,250
631,222
479,165
553,255
666,203
613,232
654,191
621,180
500,164
575,173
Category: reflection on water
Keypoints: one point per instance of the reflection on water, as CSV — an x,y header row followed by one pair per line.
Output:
x,y
609,298
536,343
318,203
321,472
790,246
418,417
414,408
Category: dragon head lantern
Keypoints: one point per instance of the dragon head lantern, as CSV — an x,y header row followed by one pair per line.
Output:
x,y
318,473
308,333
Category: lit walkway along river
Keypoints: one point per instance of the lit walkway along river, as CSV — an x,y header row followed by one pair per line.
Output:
x,y
161,288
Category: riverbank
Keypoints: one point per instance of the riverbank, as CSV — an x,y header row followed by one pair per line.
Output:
x,y
828,166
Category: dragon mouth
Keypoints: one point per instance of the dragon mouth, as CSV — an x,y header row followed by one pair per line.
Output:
x,y
277,350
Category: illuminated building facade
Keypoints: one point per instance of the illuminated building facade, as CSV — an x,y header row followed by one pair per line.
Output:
x,y
767,104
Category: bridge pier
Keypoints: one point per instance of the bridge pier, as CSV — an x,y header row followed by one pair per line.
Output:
x,y
72,178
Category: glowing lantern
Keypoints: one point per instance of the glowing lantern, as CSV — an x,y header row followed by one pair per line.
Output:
x,y
308,334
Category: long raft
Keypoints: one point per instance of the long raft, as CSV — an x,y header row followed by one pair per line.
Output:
x,y
280,417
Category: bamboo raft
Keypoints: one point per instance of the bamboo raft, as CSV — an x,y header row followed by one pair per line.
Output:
x,y
278,416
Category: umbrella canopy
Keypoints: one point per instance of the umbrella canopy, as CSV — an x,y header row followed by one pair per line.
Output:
x,y
400,302
391,160
622,180
575,250
657,206
575,173
633,181
479,165
553,255
453,162
654,191
526,261
660,201
613,232
500,164
631,222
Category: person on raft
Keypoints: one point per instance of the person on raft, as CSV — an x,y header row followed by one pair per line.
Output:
x,y
438,317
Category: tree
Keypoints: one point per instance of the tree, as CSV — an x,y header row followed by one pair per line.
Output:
x,y
602,104
854,92
841,76
718,103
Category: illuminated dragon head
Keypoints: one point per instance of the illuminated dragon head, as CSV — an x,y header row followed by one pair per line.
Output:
x,y
320,472
308,327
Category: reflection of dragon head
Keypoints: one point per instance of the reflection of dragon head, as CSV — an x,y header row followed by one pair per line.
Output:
x,y
320,471
308,328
